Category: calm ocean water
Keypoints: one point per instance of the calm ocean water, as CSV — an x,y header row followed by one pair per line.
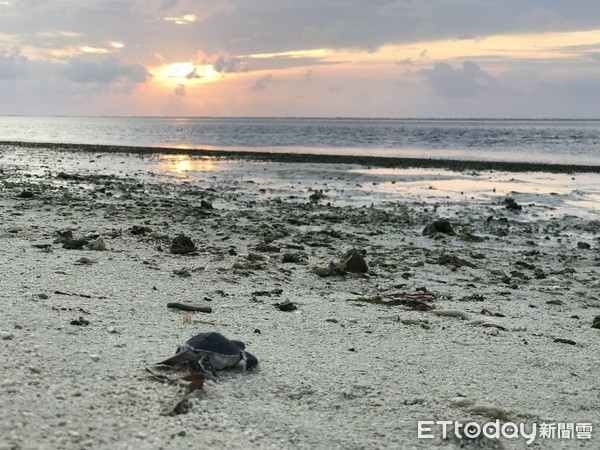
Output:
x,y
549,141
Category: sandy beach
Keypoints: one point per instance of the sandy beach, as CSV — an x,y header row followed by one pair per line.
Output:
x,y
477,304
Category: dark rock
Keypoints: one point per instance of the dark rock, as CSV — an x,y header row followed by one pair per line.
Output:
x,y
512,204
182,244
439,226
596,323
26,194
264,247
354,261
75,244
286,306
292,258
137,230
206,205
583,245
80,322
565,341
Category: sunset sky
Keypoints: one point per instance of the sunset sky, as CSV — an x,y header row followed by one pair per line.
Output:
x,y
350,58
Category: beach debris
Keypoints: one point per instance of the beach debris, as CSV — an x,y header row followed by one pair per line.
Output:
x,y
192,307
451,313
565,341
84,260
182,272
415,301
473,298
188,384
439,226
209,352
596,322
182,245
511,204
80,322
97,244
286,306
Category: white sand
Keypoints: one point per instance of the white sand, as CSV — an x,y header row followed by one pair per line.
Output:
x,y
335,373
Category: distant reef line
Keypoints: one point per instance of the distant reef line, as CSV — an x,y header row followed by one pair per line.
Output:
x,y
316,158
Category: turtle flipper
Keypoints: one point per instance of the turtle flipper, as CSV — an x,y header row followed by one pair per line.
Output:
x,y
207,366
249,361
177,359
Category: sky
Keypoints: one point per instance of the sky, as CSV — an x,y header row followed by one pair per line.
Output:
x,y
301,58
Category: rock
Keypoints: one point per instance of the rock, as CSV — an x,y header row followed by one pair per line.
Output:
x,y
182,244
512,204
137,230
206,205
462,401
583,245
85,260
439,226
596,322
354,261
26,194
75,244
322,271
80,322
292,258
286,306
182,273
97,244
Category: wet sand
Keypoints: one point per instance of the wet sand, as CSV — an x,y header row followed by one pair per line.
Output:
x,y
361,359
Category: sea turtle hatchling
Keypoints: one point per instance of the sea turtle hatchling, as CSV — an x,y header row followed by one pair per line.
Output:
x,y
209,352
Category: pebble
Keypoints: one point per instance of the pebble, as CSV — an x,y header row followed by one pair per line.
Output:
x,y
5,336
462,401
98,244
95,358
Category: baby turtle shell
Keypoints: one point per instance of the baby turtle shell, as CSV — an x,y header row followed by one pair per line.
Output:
x,y
209,352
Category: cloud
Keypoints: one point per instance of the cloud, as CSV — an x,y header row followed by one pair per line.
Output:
x,y
104,71
180,90
465,81
261,84
12,63
221,61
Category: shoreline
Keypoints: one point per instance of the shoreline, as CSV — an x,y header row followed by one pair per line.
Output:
x,y
375,161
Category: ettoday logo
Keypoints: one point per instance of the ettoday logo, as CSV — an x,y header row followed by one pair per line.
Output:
x,y
426,429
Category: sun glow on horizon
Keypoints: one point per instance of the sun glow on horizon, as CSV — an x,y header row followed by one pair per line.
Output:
x,y
185,73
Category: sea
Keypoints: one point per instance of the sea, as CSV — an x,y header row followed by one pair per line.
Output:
x,y
537,141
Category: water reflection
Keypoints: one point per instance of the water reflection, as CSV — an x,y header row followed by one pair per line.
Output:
x,y
182,164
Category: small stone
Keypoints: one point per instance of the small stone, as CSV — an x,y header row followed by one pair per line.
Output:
x,y
95,358
98,244
206,205
596,322
512,204
80,322
462,401
583,245
5,336
85,260
182,273
26,194
439,226
286,306
137,230
182,244
322,271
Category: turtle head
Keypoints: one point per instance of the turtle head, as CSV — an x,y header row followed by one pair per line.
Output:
x,y
249,361
239,344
